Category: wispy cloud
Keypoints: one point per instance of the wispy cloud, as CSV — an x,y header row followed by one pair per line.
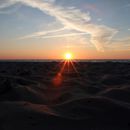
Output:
x,y
122,44
6,3
63,35
71,18
128,5
42,33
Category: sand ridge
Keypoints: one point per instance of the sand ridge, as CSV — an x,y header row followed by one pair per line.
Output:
x,y
98,94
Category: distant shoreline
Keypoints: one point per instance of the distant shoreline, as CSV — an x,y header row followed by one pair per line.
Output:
x,y
51,60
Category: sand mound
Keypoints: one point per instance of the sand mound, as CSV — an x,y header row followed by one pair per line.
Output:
x,y
95,98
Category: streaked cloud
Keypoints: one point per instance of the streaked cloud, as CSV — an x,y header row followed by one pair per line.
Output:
x,y
128,5
122,44
6,3
42,33
71,18
99,19
64,35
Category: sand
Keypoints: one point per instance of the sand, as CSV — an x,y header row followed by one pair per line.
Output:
x,y
48,96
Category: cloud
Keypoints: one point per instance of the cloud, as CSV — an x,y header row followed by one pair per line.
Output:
x,y
128,5
42,33
122,44
99,19
6,3
64,35
52,1
71,18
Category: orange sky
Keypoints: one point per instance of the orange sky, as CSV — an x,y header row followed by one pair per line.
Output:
x,y
60,54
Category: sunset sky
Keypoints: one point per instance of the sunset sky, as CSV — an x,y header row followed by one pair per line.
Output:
x,y
46,29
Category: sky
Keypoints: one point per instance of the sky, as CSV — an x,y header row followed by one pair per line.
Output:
x,y
47,29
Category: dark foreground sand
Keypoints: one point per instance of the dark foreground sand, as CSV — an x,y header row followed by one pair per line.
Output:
x,y
36,96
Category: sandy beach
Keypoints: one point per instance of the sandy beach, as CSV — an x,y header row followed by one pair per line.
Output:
x,y
46,96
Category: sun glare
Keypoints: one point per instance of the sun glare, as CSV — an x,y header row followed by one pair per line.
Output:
x,y
68,56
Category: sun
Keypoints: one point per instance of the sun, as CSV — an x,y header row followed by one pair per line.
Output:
x,y
68,56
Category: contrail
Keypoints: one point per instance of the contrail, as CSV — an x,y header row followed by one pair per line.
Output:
x,y
63,35
42,33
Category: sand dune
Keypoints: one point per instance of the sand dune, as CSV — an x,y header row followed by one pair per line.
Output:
x,y
97,97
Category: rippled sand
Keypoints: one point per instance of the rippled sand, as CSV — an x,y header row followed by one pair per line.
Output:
x,y
49,96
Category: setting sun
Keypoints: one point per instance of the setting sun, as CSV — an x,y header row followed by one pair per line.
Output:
x,y
68,56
